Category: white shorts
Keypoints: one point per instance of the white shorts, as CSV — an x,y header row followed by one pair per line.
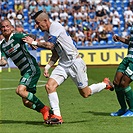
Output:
x,y
77,72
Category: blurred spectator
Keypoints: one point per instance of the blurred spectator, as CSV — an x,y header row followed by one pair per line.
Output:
x,y
124,33
92,14
11,16
40,6
114,13
26,4
129,20
48,7
105,8
93,26
127,13
103,36
80,37
32,7
116,21
19,7
63,15
4,11
100,12
19,29
101,26
78,17
62,5
88,36
55,7
19,18
131,4
55,15
96,36
109,27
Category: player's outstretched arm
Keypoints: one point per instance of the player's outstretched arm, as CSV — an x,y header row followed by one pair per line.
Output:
x,y
120,39
43,44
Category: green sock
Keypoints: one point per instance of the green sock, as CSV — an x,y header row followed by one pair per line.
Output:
x,y
121,97
37,104
129,97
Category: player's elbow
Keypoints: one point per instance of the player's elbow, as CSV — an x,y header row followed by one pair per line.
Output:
x,y
3,63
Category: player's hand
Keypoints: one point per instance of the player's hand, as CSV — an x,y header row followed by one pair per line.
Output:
x,y
46,73
116,38
28,40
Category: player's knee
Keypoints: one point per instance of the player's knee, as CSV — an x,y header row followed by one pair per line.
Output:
x,y
49,88
84,96
20,92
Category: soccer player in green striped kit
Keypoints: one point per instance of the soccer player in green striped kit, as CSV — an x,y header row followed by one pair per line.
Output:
x,y
123,78
14,47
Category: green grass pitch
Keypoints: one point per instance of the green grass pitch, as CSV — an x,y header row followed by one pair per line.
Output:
x,y
80,115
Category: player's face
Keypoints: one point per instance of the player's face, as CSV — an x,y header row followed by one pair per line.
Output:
x,y
6,28
42,24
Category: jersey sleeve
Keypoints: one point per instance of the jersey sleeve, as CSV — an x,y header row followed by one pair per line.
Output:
x,y
55,30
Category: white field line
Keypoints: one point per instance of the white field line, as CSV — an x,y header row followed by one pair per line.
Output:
x,y
17,80
13,88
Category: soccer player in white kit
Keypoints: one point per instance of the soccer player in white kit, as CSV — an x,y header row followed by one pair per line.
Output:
x,y
69,64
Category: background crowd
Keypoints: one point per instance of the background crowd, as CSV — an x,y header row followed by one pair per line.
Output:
x,y
89,22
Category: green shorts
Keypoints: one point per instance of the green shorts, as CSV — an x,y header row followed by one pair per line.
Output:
x,y
30,79
126,67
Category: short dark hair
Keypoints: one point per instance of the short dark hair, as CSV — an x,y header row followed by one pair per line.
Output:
x,y
36,14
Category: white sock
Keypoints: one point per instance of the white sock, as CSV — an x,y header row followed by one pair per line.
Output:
x,y
54,103
97,87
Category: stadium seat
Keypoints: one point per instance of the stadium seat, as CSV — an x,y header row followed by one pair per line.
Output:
x,y
25,12
122,23
112,3
109,37
41,33
70,18
120,10
26,25
32,25
102,42
125,3
86,43
11,5
118,43
95,43
79,43
122,28
110,42
26,19
115,30
70,23
118,3
34,31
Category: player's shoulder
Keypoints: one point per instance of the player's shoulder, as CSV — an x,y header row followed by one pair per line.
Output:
x,y
19,35
56,24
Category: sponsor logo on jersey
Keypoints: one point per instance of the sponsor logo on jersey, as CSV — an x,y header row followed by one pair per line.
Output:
x,y
13,49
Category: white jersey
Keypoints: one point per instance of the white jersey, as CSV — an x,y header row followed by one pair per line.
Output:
x,y
65,47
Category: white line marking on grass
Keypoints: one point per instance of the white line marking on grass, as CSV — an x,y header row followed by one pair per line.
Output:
x,y
40,81
13,88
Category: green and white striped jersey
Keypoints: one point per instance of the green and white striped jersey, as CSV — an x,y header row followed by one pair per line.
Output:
x,y
17,50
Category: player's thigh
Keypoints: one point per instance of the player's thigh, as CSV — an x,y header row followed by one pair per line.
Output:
x,y
129,70
78,73
30,80
59,74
